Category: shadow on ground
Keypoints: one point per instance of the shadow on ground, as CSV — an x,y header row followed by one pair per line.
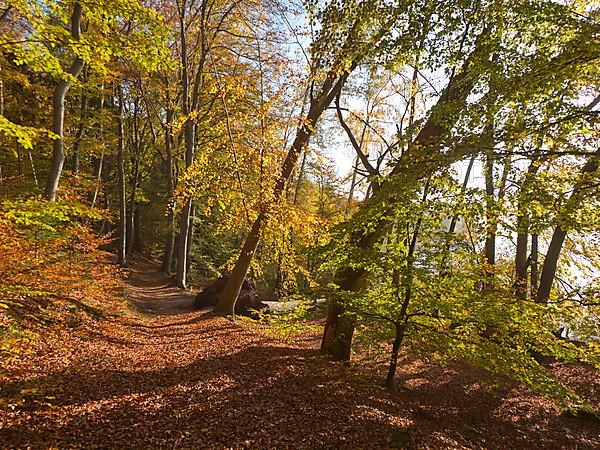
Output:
x,y
189,380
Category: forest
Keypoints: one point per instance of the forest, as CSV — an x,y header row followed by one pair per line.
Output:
x,y
300,224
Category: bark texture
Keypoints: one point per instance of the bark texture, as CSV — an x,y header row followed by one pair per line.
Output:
x,y
58,111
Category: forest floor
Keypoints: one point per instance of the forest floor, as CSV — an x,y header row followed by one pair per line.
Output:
x,y
161,375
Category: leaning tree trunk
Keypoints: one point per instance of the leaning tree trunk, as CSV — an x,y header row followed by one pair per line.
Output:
x,y
332,85
559,235
337,335
58,112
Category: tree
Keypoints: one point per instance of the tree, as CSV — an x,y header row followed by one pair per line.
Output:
x,y
436,130
363,27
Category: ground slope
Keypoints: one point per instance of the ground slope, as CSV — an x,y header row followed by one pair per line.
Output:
x,y
170,377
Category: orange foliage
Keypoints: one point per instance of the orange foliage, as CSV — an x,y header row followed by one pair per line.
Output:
x,y
60,279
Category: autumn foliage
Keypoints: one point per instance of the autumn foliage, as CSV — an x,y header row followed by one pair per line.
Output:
x,y
52,271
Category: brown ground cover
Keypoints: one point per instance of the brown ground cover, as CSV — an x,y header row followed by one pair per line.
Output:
x,y
170,377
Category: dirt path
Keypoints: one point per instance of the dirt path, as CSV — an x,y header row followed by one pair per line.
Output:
x,y
170,377
152,293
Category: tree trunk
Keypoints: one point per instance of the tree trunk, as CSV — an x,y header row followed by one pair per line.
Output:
x,y
428,141
183,248
167,262
490,238
521,262
232,290
58,112
131,232
80,131
19,159
122,232
330,88
550,264
138,244
559,235
534,264
399,337
339,328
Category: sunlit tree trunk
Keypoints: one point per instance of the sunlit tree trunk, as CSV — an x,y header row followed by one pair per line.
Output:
x,y
58,112
319,103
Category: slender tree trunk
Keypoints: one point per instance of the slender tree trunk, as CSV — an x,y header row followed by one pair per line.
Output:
x,y
189,237
559,235
454,221
534,264
401,323
521,260
399,337
352,187
131,232
183,243
33,172
138,244
167,262
80,131
103,176
494,203
100,169
183,248
121,249
58,112
490,238
19,159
